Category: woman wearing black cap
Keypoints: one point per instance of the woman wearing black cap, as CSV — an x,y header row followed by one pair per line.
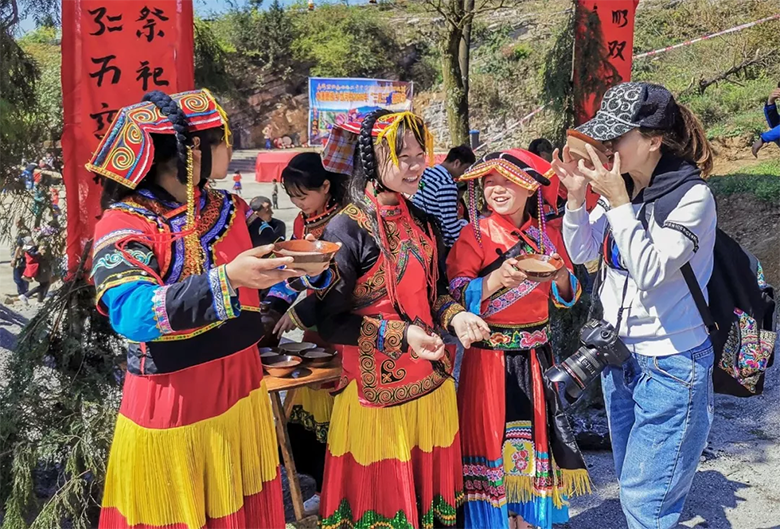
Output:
x,y
655,215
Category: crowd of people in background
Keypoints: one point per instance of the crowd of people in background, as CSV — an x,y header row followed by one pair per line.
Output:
x,y
38,251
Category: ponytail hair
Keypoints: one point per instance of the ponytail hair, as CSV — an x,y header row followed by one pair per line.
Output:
x,y
686,139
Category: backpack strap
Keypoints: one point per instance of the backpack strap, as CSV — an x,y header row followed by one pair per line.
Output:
x,y
698,298
693,284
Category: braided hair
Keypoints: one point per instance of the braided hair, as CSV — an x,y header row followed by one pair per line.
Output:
x,y
169,108
366,150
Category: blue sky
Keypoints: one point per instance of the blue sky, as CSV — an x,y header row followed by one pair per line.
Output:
x,y
203,8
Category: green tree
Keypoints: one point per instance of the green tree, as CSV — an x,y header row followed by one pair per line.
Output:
x,y
43,46
261,40
341,41
211,59
456,57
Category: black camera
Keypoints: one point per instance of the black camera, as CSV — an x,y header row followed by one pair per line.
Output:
x,y
601,347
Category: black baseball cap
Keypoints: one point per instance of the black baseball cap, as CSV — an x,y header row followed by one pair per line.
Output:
x,y
629,106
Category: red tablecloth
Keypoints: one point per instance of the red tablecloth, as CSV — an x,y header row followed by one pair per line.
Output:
x,y
270,164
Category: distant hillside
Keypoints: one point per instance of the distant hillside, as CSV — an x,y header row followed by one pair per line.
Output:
x,y
508,56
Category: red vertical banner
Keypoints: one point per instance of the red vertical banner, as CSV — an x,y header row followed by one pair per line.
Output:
x,y
113,52
603,50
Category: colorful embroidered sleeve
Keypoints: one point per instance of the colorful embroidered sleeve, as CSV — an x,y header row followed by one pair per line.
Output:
x,y
561,303
142,311
138,306
333,311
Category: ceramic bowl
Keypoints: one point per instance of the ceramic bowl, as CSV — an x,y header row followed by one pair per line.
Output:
x,y
318,357
296,348
577,141
308,256
539,268
281,365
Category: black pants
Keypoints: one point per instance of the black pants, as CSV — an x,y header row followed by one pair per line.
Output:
x,y
42,289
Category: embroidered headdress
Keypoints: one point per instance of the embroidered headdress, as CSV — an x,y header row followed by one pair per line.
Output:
x,y
509,165
379,125
360,137
126,153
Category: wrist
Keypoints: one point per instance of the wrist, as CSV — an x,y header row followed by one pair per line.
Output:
x,y
574,201
231,279
618,201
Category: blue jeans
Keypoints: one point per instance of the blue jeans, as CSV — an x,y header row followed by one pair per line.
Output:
x,y
660,412
21,284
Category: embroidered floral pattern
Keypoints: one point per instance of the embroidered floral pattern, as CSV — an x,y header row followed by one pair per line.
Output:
x,y
160,311
518,338
747,351
507,297
521,460
458,285
518,449
483,480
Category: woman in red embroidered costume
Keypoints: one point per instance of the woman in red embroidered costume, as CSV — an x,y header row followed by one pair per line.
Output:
x,y
520,461
393,456
319,194
175,272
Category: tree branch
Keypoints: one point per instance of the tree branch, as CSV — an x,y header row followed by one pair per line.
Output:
x,y
14,17
703,84
438,6
487,7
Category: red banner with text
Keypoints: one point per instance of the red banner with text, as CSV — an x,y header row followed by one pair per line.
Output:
x,y
113,51
603,49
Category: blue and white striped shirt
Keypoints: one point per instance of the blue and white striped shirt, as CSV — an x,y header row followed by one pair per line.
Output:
x,y
438,196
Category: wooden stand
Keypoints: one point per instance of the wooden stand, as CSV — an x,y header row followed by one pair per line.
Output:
x,y
304,377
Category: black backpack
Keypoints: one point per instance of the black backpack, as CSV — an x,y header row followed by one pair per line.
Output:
x,y
741,316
